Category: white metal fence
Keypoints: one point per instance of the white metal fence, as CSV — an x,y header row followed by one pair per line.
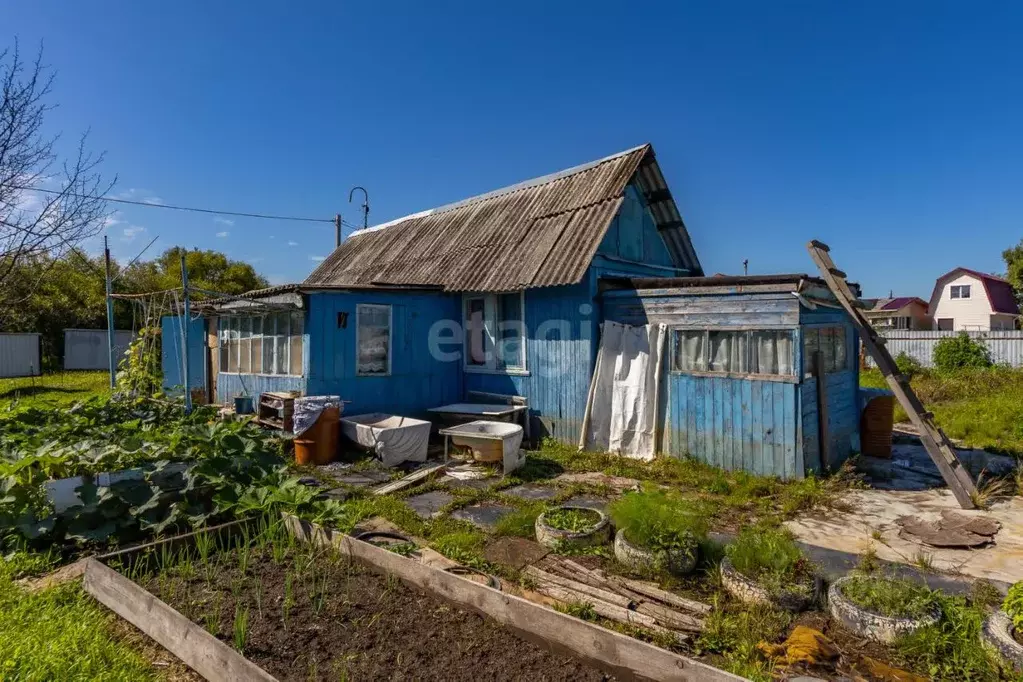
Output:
x,y
19,355
87,348
1006,347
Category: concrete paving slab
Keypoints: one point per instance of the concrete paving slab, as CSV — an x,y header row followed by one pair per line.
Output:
x,y
590,502
364,478
427,505
849,530
485,514
473,483
531,491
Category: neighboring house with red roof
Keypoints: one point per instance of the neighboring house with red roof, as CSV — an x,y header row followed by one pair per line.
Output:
x,y
904,312
969,300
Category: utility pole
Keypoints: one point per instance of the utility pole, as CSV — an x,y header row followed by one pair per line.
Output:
x,y
110,316
337,229
185,324
365,205
745,266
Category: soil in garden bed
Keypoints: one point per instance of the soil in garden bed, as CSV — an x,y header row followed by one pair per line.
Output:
x,y
313,614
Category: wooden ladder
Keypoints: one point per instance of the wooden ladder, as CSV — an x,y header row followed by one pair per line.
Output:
x,y
934,439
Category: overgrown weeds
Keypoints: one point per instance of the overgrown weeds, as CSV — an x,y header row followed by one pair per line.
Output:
x,y
660,520
572,519
889,596
951,649
771,557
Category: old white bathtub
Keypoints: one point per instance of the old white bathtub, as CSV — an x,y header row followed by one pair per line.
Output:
x,y
489,441
394,439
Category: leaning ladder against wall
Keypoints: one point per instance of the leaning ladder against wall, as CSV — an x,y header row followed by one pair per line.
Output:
x,y
934,439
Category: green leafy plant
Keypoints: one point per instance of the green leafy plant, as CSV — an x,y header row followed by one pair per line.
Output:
x,y
1013,605
889,596
241,627
949,650
907,364
770,557
960,352
659,519
575,520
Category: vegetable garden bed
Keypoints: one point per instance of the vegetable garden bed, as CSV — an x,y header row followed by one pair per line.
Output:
x,y
303,603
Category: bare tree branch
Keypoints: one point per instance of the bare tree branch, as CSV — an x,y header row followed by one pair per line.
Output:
x,y
31,225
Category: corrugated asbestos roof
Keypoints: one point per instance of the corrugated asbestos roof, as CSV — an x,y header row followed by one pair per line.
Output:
x,y
542,232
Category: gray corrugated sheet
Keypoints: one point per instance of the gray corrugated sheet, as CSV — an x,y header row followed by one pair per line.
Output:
x,y
543,232
1006,347
19,355
87,348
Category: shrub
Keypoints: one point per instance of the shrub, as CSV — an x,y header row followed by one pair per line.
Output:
x,y
659,520
907,364
960,352
889,596
1013,605
771,557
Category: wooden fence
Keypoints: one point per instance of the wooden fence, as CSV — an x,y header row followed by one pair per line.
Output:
x,y
1006,346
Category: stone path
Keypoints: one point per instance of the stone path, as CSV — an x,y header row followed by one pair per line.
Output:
x,y
428,505
485,514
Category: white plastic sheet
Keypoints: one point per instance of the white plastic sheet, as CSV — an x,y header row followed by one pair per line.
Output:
x,y
623,412
308,410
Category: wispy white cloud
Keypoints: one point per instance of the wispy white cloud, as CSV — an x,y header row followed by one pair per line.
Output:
x,y
156,201
146,196
290,243
223,221
317,259
223,234
131,232
111,220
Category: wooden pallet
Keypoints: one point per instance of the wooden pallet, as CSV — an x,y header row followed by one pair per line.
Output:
x,y
934,439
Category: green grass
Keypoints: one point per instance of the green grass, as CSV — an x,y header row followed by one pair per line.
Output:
x,y
771,557
60,634
735,634
572,520
659,520
888,596
981,407
58,390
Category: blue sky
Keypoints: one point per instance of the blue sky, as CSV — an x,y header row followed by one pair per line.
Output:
x,y
891,131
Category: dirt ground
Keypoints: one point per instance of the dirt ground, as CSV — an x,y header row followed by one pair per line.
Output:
x,y
344,622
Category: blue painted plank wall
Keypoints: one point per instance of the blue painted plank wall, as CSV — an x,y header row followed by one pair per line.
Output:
x,y
231,385
419,380
842,392
560,329
171,355
633,233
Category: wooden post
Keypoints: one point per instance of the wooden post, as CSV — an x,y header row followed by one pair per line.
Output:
x,y
823,434
110,317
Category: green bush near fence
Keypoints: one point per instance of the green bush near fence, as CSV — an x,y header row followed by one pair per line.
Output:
x,y
960,352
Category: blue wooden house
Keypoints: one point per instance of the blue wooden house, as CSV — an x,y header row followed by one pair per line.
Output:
x,y
505,293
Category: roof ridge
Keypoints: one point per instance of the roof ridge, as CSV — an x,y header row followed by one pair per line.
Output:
x,y
509,189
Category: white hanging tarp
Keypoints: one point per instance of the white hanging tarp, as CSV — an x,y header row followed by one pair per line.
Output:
x,y
625,391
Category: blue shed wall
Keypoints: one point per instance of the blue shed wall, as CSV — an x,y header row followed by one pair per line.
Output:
x,y
418,380
733,423
633,234
842,393
171,356
231,385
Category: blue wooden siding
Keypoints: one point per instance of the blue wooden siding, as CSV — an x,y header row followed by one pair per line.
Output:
x,y
561,325
231,385
171,356
735,424
842,392
417,381
633,233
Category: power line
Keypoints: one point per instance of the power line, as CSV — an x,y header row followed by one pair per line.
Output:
x,y
185,208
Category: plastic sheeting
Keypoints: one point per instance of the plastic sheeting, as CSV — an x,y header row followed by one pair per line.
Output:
x,y
626,383
308,410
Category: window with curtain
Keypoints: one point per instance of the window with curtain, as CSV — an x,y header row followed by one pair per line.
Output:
x,y
265,344
831,343
495,331
768,352
373,340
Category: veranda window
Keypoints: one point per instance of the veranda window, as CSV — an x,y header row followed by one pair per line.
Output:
x,y
266,344
724,351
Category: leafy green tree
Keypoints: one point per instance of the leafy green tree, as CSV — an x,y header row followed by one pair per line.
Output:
x,y
1013,258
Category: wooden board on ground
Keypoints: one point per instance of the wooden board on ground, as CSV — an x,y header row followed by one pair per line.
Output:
x,y
417,476
620,654
200,650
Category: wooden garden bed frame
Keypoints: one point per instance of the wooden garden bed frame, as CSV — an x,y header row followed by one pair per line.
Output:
x,y
623,656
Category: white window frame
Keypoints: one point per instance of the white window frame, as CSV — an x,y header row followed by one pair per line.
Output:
x,y
225,325
491,336
957,290
359,307
792,378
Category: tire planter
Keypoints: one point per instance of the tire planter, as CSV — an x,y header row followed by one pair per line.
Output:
x,y
553,538
884,629
998,632
749,591
677,561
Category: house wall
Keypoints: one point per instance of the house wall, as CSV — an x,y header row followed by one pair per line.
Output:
x,y
419,379
842,392
969,314
633,234
734,423
171,353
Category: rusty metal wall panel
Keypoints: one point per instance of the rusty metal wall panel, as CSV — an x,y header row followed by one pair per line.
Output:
x,y
19,355
539,233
